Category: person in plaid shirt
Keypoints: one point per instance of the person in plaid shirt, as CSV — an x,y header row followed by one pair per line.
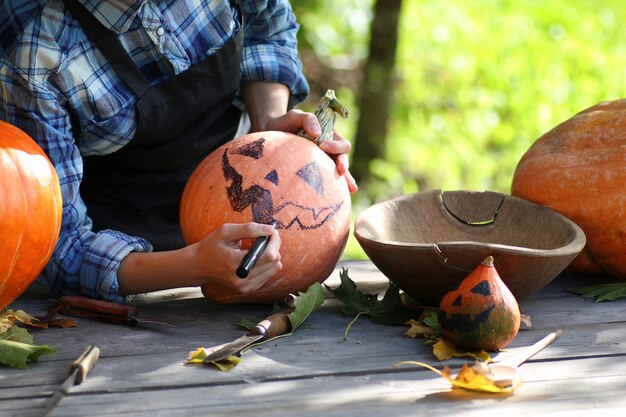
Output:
x,y
126,97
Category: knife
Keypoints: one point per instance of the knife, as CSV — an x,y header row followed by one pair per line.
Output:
x,y
272,326
77,374
99,310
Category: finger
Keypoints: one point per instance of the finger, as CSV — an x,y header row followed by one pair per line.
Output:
x,y
310,124
342,162
234,232
352,185
338,145
260,276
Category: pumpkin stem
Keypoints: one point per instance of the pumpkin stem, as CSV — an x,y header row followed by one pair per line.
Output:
x,y
326,113
488,261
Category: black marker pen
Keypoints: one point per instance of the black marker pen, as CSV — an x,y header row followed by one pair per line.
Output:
x,y
249,260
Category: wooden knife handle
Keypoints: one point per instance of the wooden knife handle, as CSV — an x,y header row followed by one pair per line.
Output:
x,y
275,325
105,311
84,363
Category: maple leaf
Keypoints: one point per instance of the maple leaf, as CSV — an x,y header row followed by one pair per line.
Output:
x,y
477,377
602,292
388,310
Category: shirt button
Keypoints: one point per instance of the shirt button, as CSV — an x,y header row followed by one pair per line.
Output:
x,y
160,31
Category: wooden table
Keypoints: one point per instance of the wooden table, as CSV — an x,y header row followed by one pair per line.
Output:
x,y
314,372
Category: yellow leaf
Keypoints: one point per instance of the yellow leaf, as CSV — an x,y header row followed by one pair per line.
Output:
x,y
477,377
6,322
418,329
22,316
445,350
225,365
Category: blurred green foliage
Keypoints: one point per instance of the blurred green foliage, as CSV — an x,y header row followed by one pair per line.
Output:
x,y
476,82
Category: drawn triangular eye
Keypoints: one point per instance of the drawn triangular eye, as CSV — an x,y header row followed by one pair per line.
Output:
x,y
310,173
253,149
272,177
482,288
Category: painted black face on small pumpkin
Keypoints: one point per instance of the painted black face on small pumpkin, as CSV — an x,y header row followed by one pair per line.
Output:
x,y
465,322
286,213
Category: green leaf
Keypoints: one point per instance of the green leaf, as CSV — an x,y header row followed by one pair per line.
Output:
x,y
17,334
246,323
16,348
388,310
602,292
306,303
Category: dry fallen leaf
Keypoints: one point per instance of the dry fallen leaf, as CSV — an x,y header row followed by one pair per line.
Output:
x,y
418,329
445,350
51,319
197,356
476,377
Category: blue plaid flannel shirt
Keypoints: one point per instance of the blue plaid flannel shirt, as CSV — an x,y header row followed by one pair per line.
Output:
x,y
48,78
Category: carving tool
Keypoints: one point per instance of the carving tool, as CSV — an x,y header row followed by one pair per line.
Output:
x,y
77,374
272,326
100,310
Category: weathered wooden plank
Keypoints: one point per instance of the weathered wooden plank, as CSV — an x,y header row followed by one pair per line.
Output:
x,y
402,392
147,361
371,349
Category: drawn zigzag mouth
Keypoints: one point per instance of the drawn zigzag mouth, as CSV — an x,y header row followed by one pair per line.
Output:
x,y
305,218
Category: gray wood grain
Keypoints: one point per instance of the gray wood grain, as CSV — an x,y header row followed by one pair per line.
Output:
x,y
142,369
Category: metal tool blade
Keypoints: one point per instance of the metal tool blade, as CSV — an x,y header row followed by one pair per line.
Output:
x,y
272,326
232,348
78,373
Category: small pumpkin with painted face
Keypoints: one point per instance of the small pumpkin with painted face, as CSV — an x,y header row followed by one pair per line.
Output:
x,y
482,313
265,177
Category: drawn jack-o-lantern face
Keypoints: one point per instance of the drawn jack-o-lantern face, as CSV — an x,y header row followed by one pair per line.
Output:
x,y
300,202
279,177
470,309
482,313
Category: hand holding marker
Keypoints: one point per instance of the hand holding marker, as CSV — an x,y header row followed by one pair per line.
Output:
x,y
256,250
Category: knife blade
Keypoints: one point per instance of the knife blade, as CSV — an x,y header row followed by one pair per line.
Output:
x,y
77,374
272,326
100,310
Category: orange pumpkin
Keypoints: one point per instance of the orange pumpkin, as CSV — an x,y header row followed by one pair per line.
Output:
x,y
579,170
30,211
272,176
482,313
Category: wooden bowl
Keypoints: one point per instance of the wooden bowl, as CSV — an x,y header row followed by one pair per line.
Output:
x,y
426,243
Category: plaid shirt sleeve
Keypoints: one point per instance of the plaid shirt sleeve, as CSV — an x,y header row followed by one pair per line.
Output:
x,y
83,262
270,46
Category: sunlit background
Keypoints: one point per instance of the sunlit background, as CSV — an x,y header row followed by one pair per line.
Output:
x,y
473,84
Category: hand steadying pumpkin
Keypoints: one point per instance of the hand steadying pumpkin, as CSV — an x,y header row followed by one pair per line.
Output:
x,y
266,103
326,113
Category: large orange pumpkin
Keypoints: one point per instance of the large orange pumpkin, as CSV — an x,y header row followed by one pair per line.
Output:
x,y
272,176
30,211
579,169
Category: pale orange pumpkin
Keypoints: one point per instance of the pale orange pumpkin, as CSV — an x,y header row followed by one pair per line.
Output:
x,y
272,176
30,211
579,170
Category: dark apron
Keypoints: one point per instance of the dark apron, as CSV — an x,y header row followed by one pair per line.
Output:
x,y
137,189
